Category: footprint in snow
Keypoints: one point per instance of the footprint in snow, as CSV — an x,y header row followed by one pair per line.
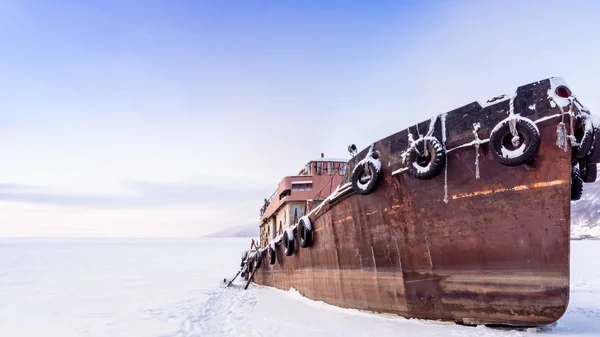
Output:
x,y
223,314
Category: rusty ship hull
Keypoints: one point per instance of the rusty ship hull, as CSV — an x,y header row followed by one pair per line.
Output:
x,y
480,243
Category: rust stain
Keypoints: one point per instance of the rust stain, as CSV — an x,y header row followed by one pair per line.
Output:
x,y
510,189
348,218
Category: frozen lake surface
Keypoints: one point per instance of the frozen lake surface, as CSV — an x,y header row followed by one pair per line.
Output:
x,y
131,288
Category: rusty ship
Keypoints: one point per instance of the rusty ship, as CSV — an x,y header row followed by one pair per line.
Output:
x,y
464,217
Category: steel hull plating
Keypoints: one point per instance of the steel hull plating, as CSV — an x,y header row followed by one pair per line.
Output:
x,y
492,249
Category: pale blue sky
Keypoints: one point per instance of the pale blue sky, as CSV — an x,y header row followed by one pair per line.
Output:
x,y
176,118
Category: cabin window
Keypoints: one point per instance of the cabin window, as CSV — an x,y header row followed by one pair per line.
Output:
x,y
342,170
285,194
302,187
330,168
319,168
308,169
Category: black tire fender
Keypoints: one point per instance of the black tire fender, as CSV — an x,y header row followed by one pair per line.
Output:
x,y
244,257
587,139
594,156
272,255
588,171
576,184
426,158
288,242
305,232
505,151
248,271
366,176
257,259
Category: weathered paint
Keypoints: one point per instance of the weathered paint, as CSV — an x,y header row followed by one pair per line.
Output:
x,y
496,253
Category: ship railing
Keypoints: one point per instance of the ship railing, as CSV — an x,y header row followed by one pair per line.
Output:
x,y
272,196
267,203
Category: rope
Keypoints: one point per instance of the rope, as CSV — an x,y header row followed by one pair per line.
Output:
x,y
476,127
561,129
429,134
512,122
573,140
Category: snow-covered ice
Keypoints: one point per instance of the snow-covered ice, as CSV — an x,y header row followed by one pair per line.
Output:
x,y
174,288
